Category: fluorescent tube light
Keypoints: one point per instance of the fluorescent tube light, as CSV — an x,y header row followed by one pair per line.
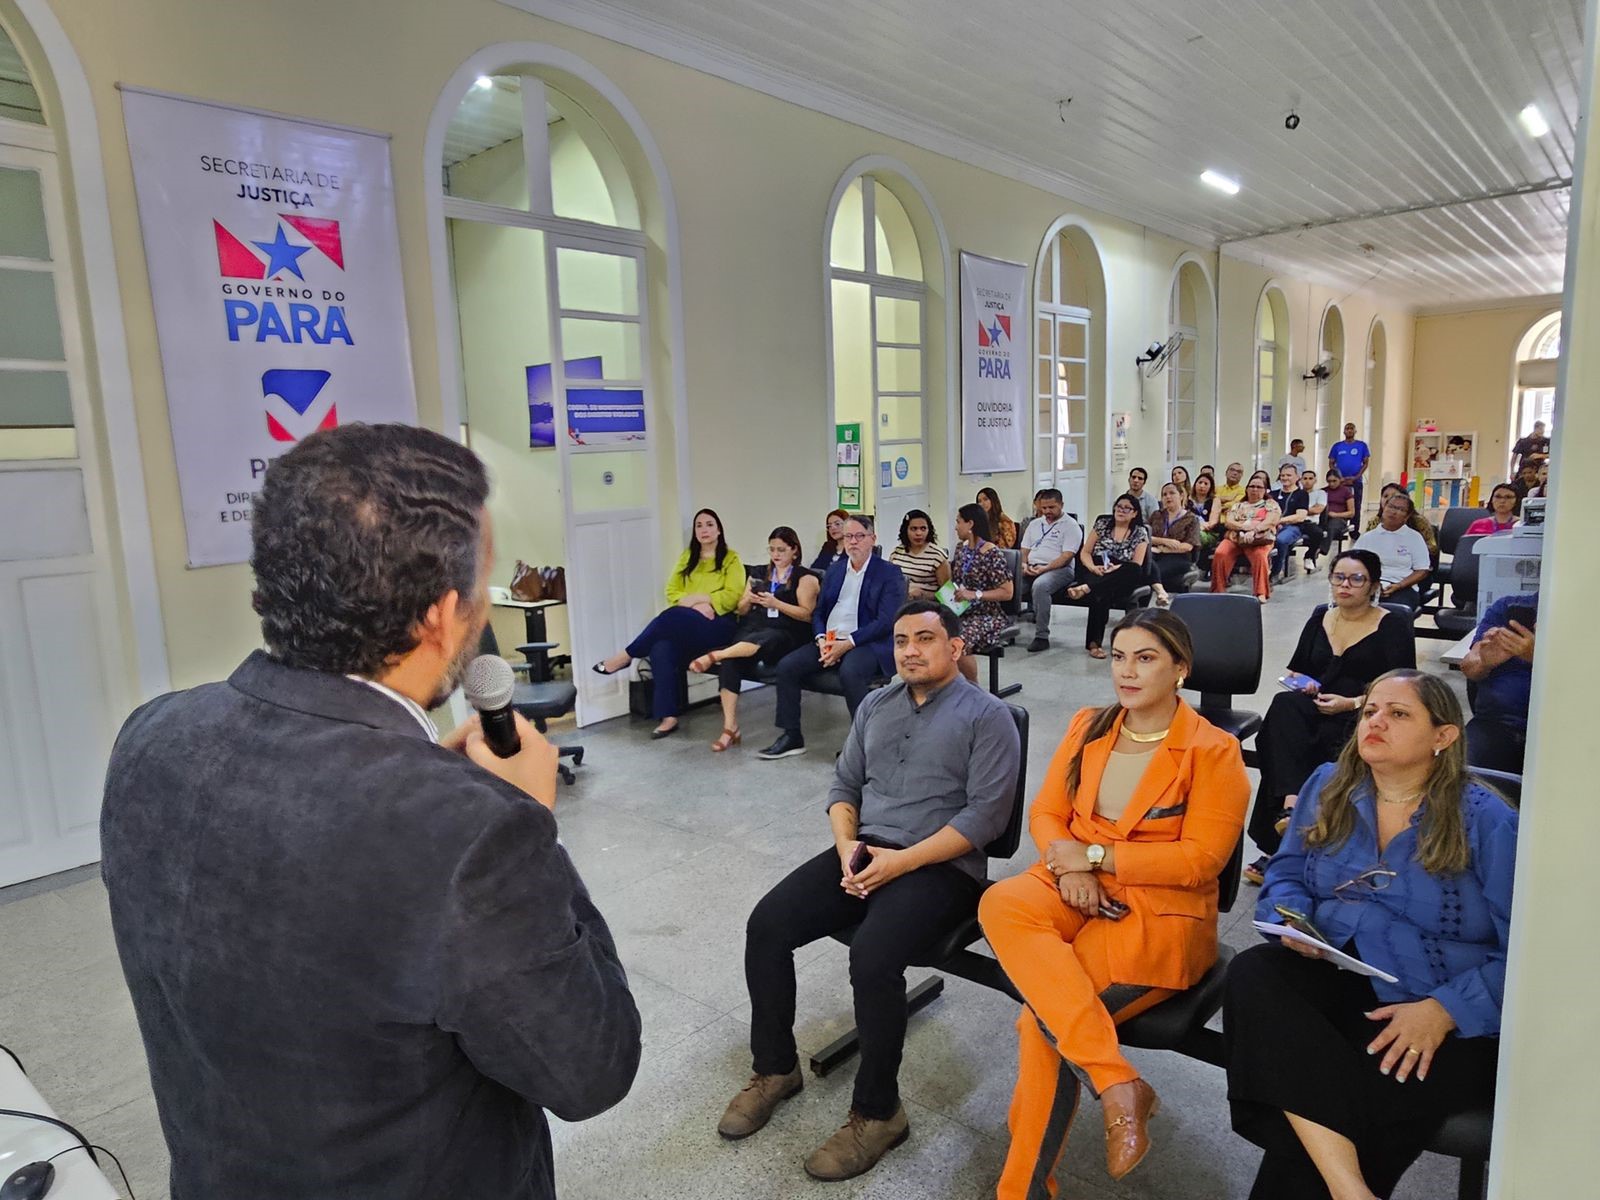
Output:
x,y
1221,182
1533,121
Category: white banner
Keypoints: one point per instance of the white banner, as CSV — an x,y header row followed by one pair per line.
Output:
x,y
994,367
274,264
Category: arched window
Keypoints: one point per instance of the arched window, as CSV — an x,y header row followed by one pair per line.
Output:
x,y
1534,397
1069,416
1330,392
1190,384
1272,355
878,327
549,272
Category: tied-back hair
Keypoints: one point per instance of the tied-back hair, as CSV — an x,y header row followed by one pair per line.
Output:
x,y
692,554
1442,847
979,519
790,539
1168,629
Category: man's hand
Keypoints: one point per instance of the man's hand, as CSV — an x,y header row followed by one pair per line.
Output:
x,y
1517,638
532,768
829,653
886,865
1421,1027
1030,570
847,851
1081,890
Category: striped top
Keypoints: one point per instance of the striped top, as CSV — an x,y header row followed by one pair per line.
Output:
x,y
921,569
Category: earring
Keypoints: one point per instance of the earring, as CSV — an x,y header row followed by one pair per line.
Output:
x,y
1438,750
1181,678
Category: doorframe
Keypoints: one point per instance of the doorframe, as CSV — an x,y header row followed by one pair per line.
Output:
x,y
93,253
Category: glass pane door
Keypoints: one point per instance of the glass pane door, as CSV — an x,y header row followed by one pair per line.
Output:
x,y
898,391
36,420
1063,397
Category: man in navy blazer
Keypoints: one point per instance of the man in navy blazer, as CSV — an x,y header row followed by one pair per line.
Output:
x,y
854,627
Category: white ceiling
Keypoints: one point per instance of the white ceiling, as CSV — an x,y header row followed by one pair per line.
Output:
x,y
1403,102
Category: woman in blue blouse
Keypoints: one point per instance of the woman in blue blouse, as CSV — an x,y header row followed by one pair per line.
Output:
x,y
1396,857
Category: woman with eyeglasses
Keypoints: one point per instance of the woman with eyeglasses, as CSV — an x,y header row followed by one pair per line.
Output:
x,y
1397,857
1345,645
1251,527
1502,509
1112,565
832,549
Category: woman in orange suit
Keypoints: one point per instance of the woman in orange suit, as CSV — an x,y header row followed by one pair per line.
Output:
x,y
1143,804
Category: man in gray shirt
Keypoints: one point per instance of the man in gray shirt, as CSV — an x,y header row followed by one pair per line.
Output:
x,y
926,780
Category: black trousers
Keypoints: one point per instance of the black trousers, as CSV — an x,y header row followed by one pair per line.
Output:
x,y
1107,590
1295,739
1170,568
772,645
1495,746
1295,1038
857,670
898,922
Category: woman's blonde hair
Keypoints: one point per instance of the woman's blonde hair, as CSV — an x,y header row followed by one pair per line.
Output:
x,y
1442,847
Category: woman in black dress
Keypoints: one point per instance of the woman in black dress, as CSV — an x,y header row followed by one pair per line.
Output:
x,y
774,618
1344,646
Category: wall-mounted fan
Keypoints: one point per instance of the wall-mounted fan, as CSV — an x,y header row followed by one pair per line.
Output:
x,y
1156,354
1320,374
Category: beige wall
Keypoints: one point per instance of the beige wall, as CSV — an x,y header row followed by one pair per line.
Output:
x,y
1464,368
752,177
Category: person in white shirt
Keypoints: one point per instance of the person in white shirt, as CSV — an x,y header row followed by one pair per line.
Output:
x,y
1295,458
1148,504
1314,533
1049,545
1401,549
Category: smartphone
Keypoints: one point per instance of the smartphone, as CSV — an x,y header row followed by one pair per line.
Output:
x,y
1297,682
860,859
760,585
1114,910
1523,614
1298,920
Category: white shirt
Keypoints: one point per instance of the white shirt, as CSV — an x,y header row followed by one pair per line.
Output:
x,y
845,615
1401,551
1319,498
1148,502
1045,543
1298,462
405,702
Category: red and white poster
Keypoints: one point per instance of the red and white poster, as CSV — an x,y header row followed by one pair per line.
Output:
x,y
274,263
994,367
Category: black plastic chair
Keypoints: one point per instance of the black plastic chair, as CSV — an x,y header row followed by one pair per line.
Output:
x,y
1453,527
1008,636
952,954
1462,617
1226,630
543,701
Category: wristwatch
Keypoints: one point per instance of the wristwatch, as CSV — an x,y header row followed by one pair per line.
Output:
x,y
1096,854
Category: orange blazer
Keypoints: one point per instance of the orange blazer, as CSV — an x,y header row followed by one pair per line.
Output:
x,y
1169,847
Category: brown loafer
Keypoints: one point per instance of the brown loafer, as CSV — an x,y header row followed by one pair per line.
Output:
x,y
754,1105
1128,1108
858,1145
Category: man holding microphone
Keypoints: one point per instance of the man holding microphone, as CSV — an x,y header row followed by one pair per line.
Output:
x,y
362,964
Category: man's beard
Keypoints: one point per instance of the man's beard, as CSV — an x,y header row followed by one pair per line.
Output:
x,y
458,669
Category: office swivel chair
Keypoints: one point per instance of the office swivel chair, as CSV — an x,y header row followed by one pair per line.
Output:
x,y
540,702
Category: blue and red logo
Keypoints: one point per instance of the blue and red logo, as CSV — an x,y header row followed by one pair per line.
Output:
x,y
237,260
999,327
294,403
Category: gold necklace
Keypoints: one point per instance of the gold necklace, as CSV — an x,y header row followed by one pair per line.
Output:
x,y
1145,737
1382,799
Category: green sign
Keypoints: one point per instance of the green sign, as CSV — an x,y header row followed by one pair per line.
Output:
x,y
847,465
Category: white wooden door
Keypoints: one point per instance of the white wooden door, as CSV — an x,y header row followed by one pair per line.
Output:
x,y
60,686
1061,422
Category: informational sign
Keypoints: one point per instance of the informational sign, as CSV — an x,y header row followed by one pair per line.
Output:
x,y
542,397
902,468
847,465
1119,440
274,265
994,368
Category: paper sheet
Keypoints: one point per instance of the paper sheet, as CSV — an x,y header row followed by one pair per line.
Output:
x,y
1337,957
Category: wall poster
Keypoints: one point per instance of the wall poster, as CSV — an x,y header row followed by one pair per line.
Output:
x,y
995,377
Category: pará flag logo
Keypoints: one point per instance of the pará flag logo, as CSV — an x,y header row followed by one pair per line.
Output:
x,y
999,327
242,258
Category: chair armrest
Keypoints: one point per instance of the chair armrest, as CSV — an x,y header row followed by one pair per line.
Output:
x,y
540,646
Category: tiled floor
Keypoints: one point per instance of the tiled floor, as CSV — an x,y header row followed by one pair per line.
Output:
x,y
677,844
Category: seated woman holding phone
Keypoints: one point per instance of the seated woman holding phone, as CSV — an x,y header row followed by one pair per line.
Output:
x,y
774,618
1344,646
1397,858
1140,811
1112,564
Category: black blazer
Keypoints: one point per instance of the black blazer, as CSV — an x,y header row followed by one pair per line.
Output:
x,y
362,966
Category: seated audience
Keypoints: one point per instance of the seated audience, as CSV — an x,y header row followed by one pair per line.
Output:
x,y
1139,812
1136,481
1050,543
1416,520
774,618
1541,489
1174,542
927,778
1294,507
832,549
919,556
1250,529
1344,646
1397,857
982,579
1231,491
1180,476
1002,529
1113,565
852,629
1313,533
1400,548
1340,514
703,589
1500,663
1503,501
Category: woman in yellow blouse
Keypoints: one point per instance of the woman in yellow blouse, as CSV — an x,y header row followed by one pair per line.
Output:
x,y
703,589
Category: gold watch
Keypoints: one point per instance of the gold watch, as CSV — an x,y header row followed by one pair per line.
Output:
x,y
1096,854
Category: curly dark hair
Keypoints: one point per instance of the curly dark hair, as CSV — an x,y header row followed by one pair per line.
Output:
x,y
356,532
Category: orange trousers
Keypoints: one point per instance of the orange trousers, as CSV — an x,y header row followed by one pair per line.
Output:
x,y
1227,553
1057,958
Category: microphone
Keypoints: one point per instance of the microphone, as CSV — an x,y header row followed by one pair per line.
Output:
x,y
488,685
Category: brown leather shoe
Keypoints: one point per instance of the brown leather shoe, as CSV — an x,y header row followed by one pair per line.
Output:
x,y
1127,1108
754,1105
858,1145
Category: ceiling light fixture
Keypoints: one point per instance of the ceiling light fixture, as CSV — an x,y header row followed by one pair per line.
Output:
x,y
1533,121
483,83
1219,181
